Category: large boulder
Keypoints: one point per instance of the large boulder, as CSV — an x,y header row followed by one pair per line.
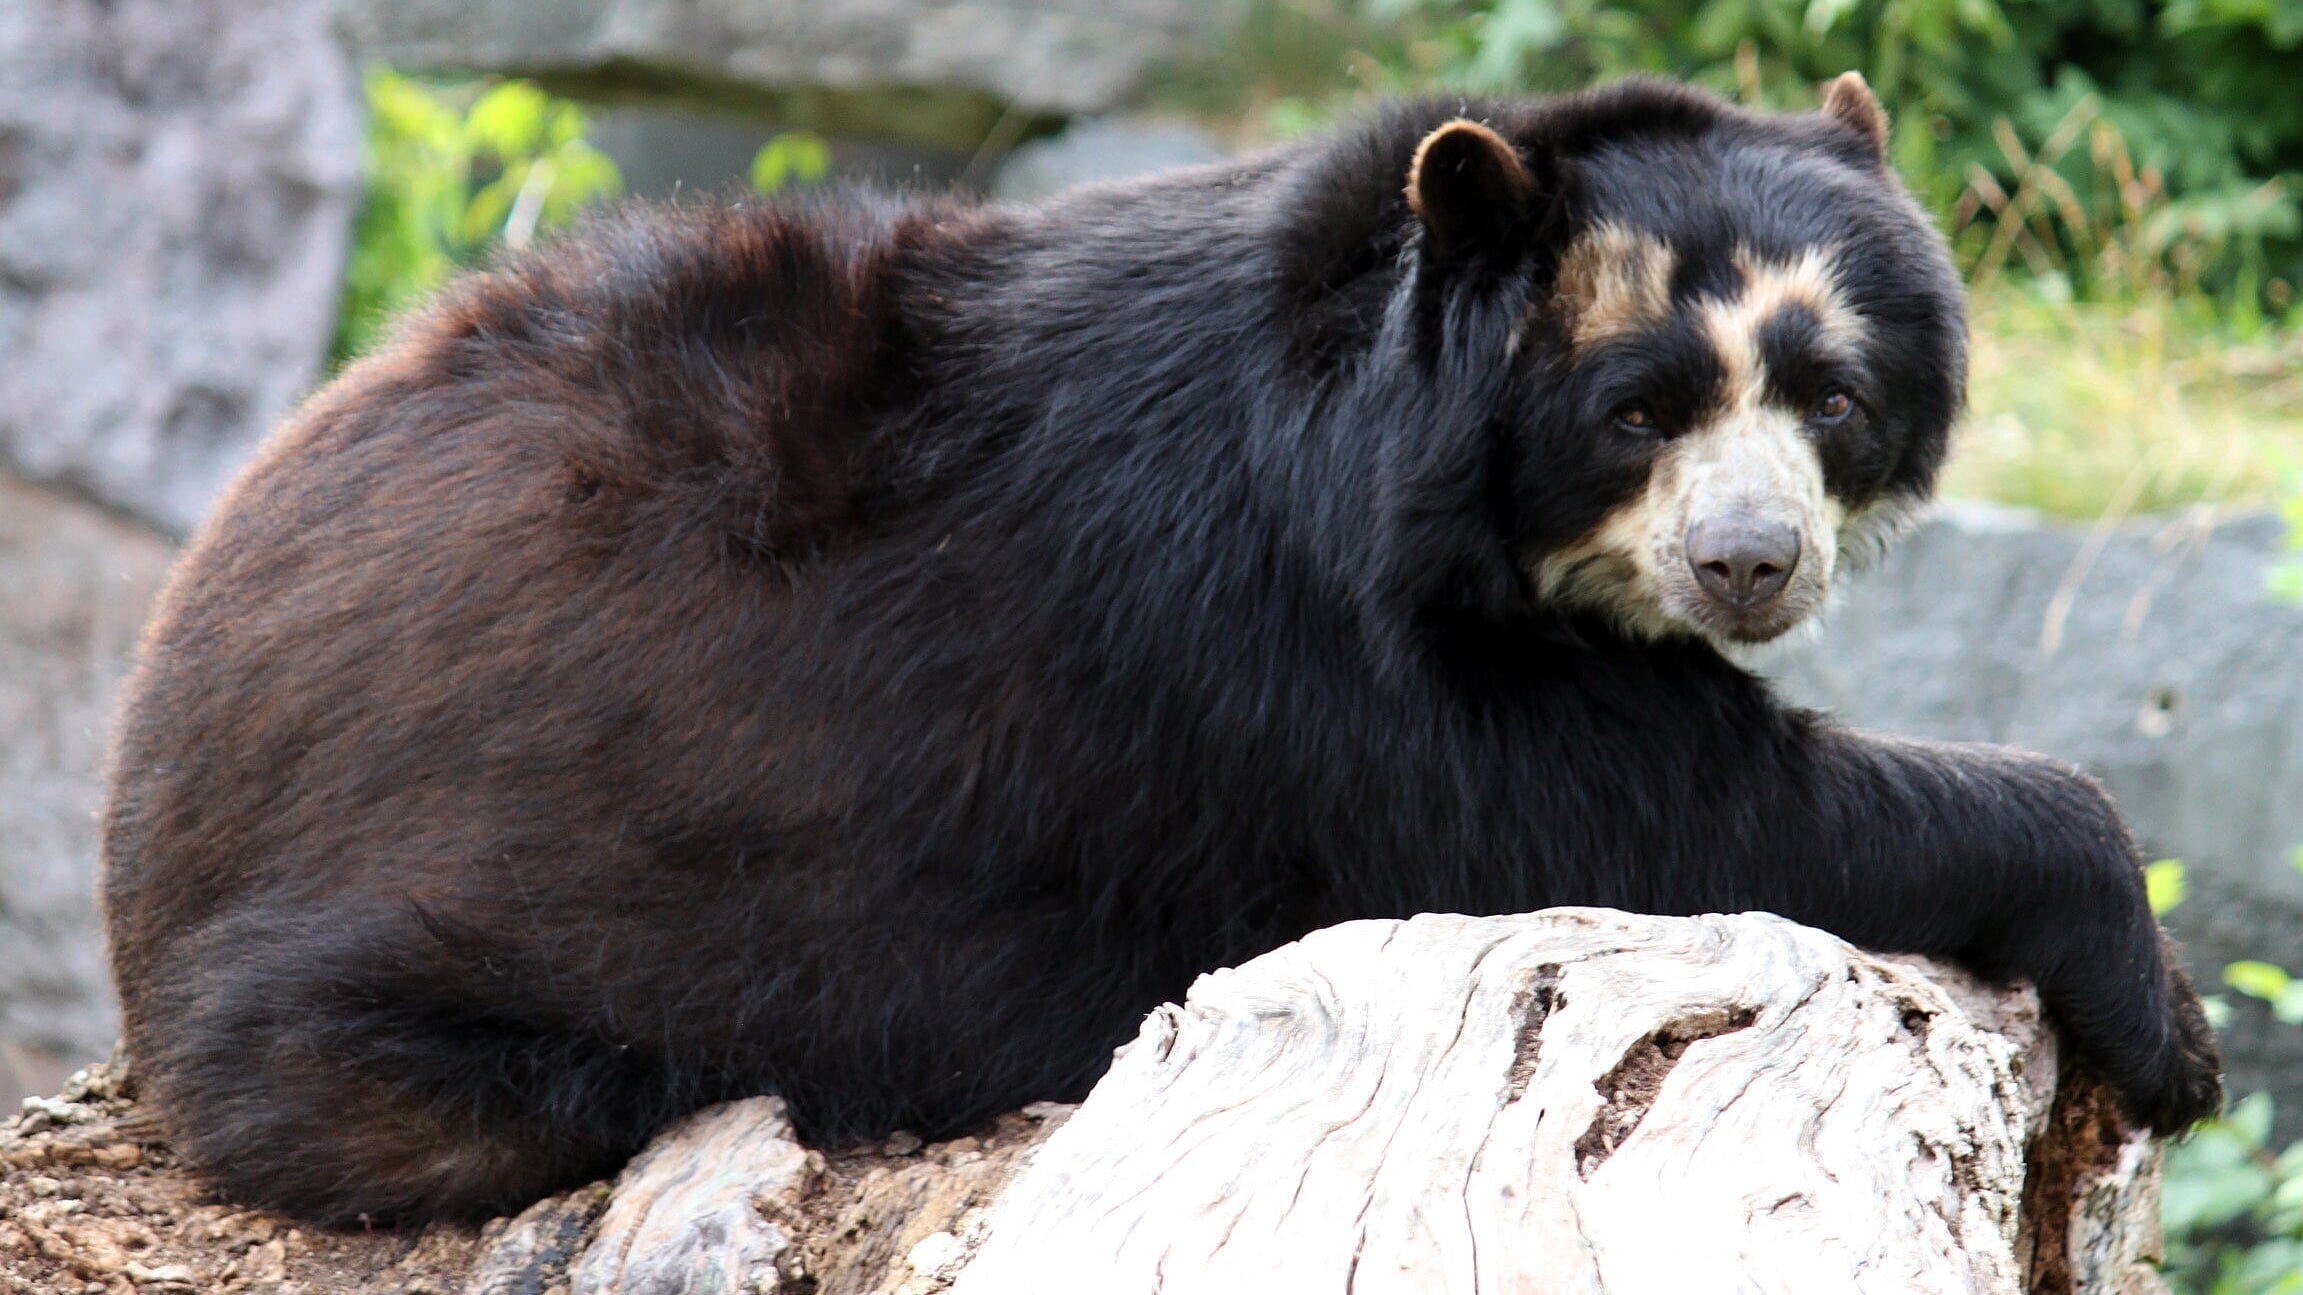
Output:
x,y
944,70
1097,149
2153,655
177,180
75,586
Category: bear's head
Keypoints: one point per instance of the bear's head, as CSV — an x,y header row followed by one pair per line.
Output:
x,y
1728,349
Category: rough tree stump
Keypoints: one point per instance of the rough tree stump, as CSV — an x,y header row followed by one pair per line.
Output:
x,y
1572,1101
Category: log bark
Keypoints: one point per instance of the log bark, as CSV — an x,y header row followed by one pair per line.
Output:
x,y
1571,1101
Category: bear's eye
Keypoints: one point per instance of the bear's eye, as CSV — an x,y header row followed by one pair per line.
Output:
x,y
1834,407
1637,418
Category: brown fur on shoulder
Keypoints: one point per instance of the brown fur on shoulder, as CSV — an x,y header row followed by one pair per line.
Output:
x,y
601,464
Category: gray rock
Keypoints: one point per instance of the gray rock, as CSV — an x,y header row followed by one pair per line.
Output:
x,y
2151,655
529,1254
1042,56
75,586
665,150
1101,148
177,180
707,1206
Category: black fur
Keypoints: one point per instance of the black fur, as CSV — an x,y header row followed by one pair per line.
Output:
x,y
872,652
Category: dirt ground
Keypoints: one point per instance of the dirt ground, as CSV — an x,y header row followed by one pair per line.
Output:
x,y
89,1206
92,1202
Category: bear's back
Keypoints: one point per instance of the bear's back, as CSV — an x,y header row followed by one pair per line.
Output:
x,y
604,463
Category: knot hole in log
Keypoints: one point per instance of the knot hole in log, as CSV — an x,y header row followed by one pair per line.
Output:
x,y
1629,1089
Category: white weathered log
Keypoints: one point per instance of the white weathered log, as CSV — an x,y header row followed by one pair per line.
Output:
x,y
1572,1101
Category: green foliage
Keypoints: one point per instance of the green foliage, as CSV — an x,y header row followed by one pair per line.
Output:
x,y
2233,1208
2166,885
2087,408
456,171
794,156
2002,109
2270,983
2118,178
452,172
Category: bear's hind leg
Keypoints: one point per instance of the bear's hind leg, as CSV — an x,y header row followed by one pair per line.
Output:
x,y
346,1098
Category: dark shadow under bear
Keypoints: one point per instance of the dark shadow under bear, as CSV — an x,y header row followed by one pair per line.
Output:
x,y
873,651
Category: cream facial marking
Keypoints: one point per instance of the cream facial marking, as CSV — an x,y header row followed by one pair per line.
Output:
x,y
1769,288
1613,281
1749,470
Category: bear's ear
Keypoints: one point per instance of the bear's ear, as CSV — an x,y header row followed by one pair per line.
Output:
x,y
1848,100
1467,185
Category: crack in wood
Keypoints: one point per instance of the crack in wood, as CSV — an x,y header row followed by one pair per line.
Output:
x,y
1531,1006
1629,1088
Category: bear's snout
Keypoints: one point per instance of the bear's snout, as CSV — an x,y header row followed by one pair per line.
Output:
x,y
1742,560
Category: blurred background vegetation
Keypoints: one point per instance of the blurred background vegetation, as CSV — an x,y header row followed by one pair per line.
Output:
x,y
2122,182
2231,1197
454,171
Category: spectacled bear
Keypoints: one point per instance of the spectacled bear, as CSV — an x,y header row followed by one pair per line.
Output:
x,y
872,650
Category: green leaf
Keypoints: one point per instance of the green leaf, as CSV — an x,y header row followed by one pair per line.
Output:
x,y
794,155
2164,884
1515,29
2212,1178
2258,980
484,215
2212,1200
1823,15
446,165
508,120
403,111
583,176
2266,1268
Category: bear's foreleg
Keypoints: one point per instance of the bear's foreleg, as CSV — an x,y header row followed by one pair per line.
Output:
x,y
2019,867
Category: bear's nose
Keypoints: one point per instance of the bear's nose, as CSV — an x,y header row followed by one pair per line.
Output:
x,y
1742,560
